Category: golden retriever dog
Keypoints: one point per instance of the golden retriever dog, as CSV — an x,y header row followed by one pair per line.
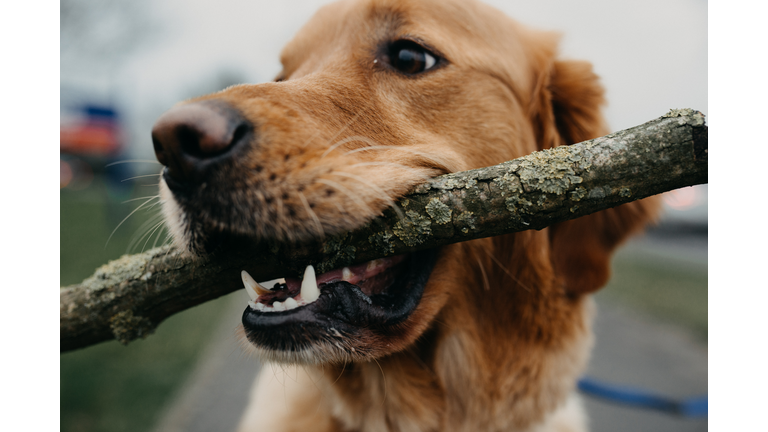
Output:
x,y
376,96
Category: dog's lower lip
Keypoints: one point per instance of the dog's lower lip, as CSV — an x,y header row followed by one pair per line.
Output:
x,y
344,307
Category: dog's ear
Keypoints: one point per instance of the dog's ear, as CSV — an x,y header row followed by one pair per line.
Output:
x,y
581,249
568,112
568,107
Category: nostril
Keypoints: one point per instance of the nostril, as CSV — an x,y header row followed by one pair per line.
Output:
x,y
217,139
191,139
159,151
240,131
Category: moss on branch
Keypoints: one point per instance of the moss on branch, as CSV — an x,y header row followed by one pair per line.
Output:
x,y
127,298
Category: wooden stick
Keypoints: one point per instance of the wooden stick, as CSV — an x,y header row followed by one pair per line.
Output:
x,y
127,298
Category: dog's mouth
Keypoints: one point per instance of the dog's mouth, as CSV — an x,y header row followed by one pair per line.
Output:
x,y
349,303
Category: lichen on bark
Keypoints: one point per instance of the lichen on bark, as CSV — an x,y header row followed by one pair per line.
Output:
x,y
126,326
129,297
439,211
413,229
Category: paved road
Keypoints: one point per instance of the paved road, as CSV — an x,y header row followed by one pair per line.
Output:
x,y
216,392
631,349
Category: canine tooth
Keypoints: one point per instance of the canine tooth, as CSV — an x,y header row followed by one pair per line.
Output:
x,y
346,274
309,290
251,286
278,306
290,303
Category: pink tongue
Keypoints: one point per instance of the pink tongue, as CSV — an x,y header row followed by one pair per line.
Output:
x,y
359,272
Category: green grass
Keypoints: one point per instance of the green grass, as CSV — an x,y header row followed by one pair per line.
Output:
x,y
111,387
670,289
88,217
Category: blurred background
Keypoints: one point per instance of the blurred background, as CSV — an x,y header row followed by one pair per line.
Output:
x,y
123,63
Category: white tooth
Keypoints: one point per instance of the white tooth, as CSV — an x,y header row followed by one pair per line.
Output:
x,y
372,264
278,306
254,288
256,306
290,303
309,290
346,274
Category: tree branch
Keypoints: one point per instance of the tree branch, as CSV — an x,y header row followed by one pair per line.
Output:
x,y
127,298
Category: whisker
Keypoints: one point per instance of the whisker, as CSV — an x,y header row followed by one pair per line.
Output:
x,y
159,233
415,356
343,368
350,139
132,161
157,225
373,147
390,164
384,380
507,272
312,214
144,228
281,216
319,405
383,194
158,202
141,176
486,284
349,123
348,193
415,172
168,237
292,378
125,219
140,198
394,148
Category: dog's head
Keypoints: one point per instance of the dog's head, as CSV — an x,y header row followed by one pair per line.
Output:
x,y
375,96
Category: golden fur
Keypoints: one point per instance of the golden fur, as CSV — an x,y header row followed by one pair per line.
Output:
x,y
502,331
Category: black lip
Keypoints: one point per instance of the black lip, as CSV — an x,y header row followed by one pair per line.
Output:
x,y
343,308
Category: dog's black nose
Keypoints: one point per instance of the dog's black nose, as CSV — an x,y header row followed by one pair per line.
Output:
x,y
190,139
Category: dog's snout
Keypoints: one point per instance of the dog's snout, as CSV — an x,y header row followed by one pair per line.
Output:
x,y
191,138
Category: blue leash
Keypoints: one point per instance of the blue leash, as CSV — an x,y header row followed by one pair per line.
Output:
x,y
692,407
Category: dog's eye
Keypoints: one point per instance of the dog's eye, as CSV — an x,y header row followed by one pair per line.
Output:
x,y
409,57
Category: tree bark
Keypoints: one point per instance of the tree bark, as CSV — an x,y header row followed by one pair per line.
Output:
x,y
127,298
